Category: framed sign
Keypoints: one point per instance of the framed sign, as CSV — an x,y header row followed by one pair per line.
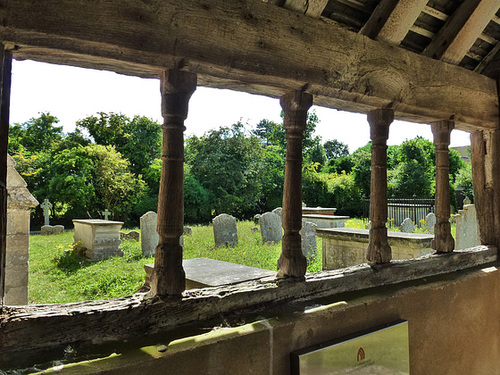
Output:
x,y
383,350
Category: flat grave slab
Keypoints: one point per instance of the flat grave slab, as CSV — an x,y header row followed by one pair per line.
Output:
x,y
326,221
204,272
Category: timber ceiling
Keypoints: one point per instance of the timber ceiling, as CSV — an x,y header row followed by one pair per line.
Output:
x,y
460,32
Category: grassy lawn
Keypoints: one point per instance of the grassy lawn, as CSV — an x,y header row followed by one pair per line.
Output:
x,y
58,275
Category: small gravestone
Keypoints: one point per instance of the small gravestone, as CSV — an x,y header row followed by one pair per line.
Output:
x,y
149,236
106,214
256,219
133,235
225,232
270,228
308,235
188,231
368,225
46,206
467,234
407,226
467,201
278,211
49,229
430,221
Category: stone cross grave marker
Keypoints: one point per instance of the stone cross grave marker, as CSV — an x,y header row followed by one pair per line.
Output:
x,y
46,206
106,214
308,235
270,228
407,226
225,232
149,235
430,221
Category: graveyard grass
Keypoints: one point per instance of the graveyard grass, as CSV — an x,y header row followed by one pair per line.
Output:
x,y
58,275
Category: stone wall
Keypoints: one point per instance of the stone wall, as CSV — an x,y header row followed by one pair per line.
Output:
x,y
19,202
452,330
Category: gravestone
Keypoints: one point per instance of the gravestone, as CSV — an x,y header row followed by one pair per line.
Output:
x,y
19,203
278,211
106,214
225,232
187,231
430,221
98,239
467,201
49,229
407,226
368,225
46,206
467,228
133,235
149,235
308,235
270,228
256,218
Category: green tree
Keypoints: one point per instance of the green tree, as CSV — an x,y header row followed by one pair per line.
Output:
x,y
36,134
137,139
229,165
90,179
335,149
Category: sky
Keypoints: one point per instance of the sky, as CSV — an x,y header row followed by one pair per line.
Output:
x,y
72,94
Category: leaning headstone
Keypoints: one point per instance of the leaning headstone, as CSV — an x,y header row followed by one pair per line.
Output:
x,y
256,219
133,235
46,206
467,228
278,211
225,232
407,226
430,221
270,228
308,235
49,229
149,236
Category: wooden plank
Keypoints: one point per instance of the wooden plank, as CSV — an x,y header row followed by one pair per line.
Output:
x,y
492,55
5,77
461,30
311,8
30,330
392,19
241,45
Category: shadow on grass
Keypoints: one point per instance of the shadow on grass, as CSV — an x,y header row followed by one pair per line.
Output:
x,y
70,262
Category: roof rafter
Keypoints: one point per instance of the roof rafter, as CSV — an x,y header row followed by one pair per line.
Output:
x,y
311,8
461,30
392,19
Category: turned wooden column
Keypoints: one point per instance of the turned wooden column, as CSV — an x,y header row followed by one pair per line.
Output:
x,y
5,77
485,150
443,241
292,263
379,250
169,277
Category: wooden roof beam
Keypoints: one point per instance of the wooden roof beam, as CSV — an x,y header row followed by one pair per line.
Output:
x,y
392,19
311,8
461,30
252,47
